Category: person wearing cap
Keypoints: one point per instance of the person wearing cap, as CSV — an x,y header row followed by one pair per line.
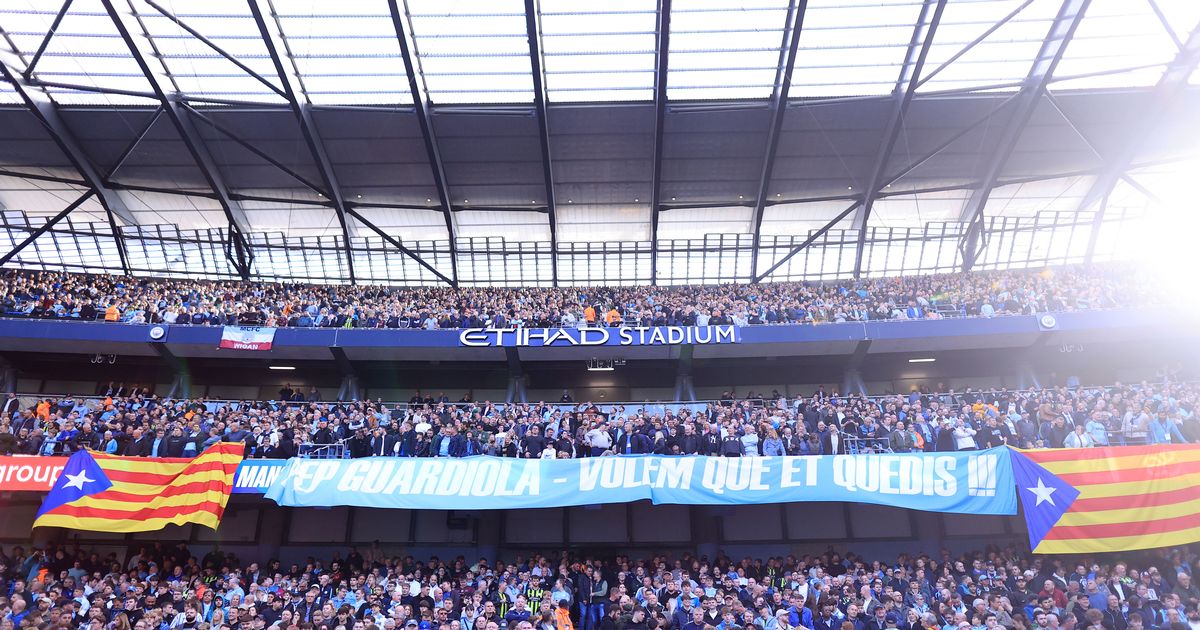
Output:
x,y
879,618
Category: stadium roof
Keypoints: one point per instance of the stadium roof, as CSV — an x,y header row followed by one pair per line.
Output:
x,y
544,141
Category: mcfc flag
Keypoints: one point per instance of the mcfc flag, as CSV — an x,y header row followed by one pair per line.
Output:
x,y
247,338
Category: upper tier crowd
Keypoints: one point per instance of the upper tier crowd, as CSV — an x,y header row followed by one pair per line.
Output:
x,y
130,422
215,303
166,587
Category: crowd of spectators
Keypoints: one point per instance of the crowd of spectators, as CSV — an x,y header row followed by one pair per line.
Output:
x,y
213,303
166,587
132,422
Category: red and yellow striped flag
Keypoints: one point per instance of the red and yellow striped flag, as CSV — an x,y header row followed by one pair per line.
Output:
x,y
1130,497
107,493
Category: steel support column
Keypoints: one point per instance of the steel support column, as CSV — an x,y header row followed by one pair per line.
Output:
x,y
1070,14
237,248
39,104
516,377
312,139
533,32
661,66
902,94
1165,92
789,49
422,109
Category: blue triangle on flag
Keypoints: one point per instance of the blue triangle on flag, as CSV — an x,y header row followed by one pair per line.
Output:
x,y
1044,497
81,477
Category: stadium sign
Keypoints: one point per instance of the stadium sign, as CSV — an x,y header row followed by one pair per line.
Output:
x,y
254,476
29,473
974,483
38,474
632,336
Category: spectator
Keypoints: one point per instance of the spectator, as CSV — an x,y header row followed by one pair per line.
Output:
x,y
1079,438
138,423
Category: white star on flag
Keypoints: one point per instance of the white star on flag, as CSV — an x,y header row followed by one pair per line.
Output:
x,y
1043,492
77,481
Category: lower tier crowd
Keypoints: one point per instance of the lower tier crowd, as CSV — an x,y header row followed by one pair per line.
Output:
x,y
166,587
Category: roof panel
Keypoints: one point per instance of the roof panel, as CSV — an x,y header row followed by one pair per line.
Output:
x,y
472,51
599,52
725,49
602,155
196,68
852,49
1005,55
712,156
86,50
1113,35
1181,16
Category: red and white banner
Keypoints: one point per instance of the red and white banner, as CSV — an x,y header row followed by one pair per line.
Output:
x,y
247,338
30,473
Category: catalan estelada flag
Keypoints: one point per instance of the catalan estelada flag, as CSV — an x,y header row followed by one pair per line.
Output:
x,y
1130,497
107,493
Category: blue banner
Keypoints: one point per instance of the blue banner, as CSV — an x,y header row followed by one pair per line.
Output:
x,y
971,483
564,337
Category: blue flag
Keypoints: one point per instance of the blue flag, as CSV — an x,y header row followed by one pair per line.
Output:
x,y
1044,497
81,477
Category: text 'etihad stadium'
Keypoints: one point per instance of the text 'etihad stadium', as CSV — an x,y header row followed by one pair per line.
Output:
x,y
632,336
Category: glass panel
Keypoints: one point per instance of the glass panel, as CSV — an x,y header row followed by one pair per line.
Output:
x,y
788,219
613,263
1113,35
590,223
853,49
916,210
599,52
1180,15
1031,198
86,50
345,52
512,225
829,256
473,51
698,222
200,70
723,49
1004,56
